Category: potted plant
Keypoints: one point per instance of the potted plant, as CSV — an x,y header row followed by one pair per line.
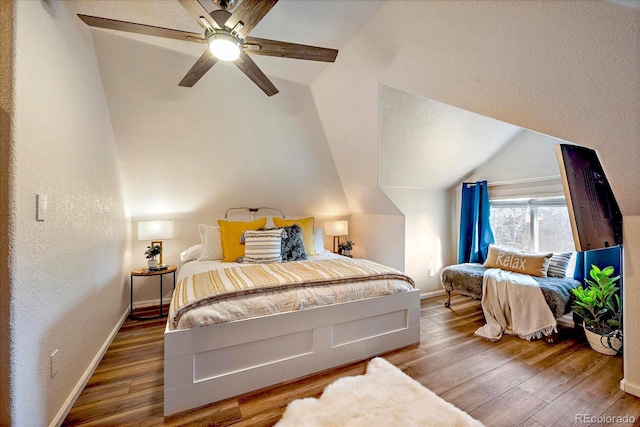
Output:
x,y
345,247
152,253
599,306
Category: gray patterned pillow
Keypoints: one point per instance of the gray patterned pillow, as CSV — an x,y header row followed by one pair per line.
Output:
x,y
558,265
293,245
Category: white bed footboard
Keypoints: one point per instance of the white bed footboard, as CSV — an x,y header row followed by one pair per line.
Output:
x,y
207,364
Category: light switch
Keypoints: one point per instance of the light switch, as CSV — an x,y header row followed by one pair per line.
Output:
x,y
41,204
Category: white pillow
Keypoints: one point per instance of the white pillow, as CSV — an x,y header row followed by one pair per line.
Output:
x,y
318,241
211,242
191,254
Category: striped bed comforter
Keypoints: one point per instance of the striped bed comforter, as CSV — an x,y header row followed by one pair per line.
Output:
x,y
277,287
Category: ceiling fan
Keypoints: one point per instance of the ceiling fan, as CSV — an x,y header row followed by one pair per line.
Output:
x,y
226,34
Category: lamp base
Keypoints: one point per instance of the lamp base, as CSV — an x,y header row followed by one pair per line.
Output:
x,y
159,243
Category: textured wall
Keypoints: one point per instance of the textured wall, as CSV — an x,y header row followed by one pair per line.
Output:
x,y
429,145
68,286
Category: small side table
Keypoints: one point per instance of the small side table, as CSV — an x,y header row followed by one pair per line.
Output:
x,y
146,272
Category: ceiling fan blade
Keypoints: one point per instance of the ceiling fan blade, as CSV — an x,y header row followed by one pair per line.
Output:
x,y
149,30
252,71
202,65
198,11
289,50
249,13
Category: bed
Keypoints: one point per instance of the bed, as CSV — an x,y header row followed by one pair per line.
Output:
x,y
466,279
222,349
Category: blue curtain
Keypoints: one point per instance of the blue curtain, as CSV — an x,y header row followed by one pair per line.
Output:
x,y
475,229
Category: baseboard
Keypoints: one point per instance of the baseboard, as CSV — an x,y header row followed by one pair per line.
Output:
x,y
630,388
68,404
432,294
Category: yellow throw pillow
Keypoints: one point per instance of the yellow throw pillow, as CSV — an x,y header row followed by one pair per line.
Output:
x,y
306,224
230,233
519,262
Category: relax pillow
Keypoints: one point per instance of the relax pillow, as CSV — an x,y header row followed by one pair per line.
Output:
x,y
262,246
558,265
211,243
516,261
230,233
191,254
306,224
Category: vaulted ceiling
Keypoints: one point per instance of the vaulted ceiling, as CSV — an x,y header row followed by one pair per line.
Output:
x,y
318,140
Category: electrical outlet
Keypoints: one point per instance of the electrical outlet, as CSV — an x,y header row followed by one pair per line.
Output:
x,y
54,363
431,272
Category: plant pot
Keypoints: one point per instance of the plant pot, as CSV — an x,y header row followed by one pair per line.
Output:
x,y
346,252
152,262
600,343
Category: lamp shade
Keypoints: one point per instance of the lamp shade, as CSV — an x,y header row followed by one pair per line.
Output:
x,y
336,228
155,230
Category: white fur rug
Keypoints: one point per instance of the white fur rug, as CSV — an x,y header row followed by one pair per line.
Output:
x,y
383,396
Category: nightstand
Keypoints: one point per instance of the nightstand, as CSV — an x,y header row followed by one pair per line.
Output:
x,y
146,272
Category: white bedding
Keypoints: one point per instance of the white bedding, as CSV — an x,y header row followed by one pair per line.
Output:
x,y
279,301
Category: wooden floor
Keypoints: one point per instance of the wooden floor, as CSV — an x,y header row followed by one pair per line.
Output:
x,y
509,383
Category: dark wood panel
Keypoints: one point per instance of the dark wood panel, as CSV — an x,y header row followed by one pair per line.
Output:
x,y
512,382
281,49
249,13
202,65
148,30
252,71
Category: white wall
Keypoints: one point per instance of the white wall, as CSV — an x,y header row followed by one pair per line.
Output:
x,y
380,238
425,144
528,160
68,284
426,234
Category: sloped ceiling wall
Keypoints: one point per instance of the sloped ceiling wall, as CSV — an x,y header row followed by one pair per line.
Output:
x,y
428,145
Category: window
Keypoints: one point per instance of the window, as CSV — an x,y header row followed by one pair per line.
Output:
x,y
533,225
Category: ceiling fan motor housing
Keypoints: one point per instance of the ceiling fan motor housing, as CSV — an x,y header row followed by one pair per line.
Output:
x,y
225,4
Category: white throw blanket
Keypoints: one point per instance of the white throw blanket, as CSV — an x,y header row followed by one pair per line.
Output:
x,y
513,303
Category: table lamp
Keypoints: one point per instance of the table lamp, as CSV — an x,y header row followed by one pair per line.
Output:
x,y
155,231
336,229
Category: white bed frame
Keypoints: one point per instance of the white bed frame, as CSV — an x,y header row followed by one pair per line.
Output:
x,y
208,364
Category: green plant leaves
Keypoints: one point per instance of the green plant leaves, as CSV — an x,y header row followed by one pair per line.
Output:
x,y
599,303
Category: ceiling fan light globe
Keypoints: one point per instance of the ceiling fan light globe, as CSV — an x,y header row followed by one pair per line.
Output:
x,y
225,48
